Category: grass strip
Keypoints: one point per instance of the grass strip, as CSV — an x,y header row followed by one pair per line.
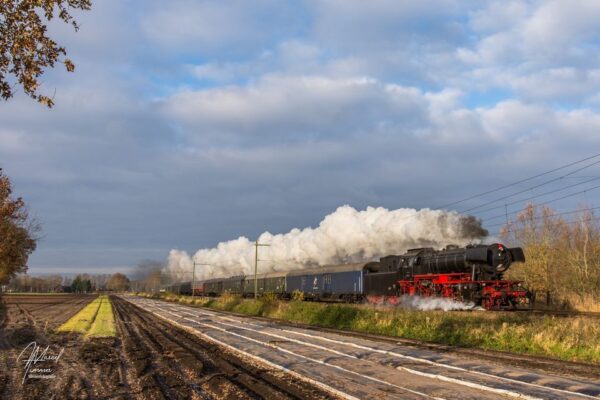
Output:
x,y
565,338
94,320
82,321
104,323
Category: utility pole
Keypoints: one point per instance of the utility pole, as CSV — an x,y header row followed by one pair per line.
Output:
x,y
256,245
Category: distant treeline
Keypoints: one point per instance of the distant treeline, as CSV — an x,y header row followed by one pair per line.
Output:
x,y
83,283
563,256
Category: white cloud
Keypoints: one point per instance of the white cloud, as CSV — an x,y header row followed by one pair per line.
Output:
x,y
216,27
545,51
293,108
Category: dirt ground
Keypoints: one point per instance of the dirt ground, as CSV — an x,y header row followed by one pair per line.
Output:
x,y
151,359
32,318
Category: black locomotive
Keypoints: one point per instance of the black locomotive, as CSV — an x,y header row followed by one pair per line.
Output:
x,y
472,273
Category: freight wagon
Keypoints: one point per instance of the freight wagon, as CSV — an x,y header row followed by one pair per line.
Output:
x,y
340,282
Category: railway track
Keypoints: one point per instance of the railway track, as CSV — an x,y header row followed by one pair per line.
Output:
x,y
564,368
356,366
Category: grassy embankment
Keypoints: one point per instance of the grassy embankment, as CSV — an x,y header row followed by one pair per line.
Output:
x,y
94,320
573,338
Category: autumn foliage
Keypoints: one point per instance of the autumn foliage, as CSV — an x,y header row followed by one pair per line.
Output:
x,y
563,256
17,232
26,49
118,282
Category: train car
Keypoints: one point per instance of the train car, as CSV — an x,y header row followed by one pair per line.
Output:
x,y
198,288
213,287
340,282
184,288
233,284
272,282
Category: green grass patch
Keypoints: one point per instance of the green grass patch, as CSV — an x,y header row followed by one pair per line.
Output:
x,y
94,320
104,323
565,338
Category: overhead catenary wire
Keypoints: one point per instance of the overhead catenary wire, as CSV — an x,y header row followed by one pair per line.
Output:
x,y
580,211
519,182
536,186
545,194
509,230
505,205
537,204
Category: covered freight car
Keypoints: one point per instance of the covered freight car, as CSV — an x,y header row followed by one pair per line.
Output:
x,y
344,282
272,282
233,284
213,287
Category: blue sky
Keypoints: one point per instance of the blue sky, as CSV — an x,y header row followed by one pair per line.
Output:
x,y
192,122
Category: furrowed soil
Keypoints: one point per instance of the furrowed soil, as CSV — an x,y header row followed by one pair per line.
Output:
x,y
150,359
33,318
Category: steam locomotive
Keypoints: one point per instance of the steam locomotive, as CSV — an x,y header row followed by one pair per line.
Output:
x,y
473,273
469,274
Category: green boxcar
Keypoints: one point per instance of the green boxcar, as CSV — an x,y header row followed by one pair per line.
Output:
x,y
272,282
233,285
213,287
275,282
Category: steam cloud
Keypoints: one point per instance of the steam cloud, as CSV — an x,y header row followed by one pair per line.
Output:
x,y
435,303
346,235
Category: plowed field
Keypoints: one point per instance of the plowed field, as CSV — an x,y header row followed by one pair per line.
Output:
x,y
150,359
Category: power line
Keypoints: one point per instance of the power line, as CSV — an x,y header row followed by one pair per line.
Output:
x,y
553,215
520,181
545,194
519,210
537,186
566,223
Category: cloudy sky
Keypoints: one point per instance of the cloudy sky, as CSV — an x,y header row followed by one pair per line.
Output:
x,y
187,123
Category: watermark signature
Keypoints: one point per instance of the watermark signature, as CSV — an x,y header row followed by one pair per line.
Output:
x,y
33,355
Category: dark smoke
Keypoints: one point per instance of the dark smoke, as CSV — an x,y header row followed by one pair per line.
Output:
x,y
471,227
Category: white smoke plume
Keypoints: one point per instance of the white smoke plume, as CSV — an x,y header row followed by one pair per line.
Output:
x,y
346,235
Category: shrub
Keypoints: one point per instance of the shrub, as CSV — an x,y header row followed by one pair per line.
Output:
x,y
297,295
269,297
